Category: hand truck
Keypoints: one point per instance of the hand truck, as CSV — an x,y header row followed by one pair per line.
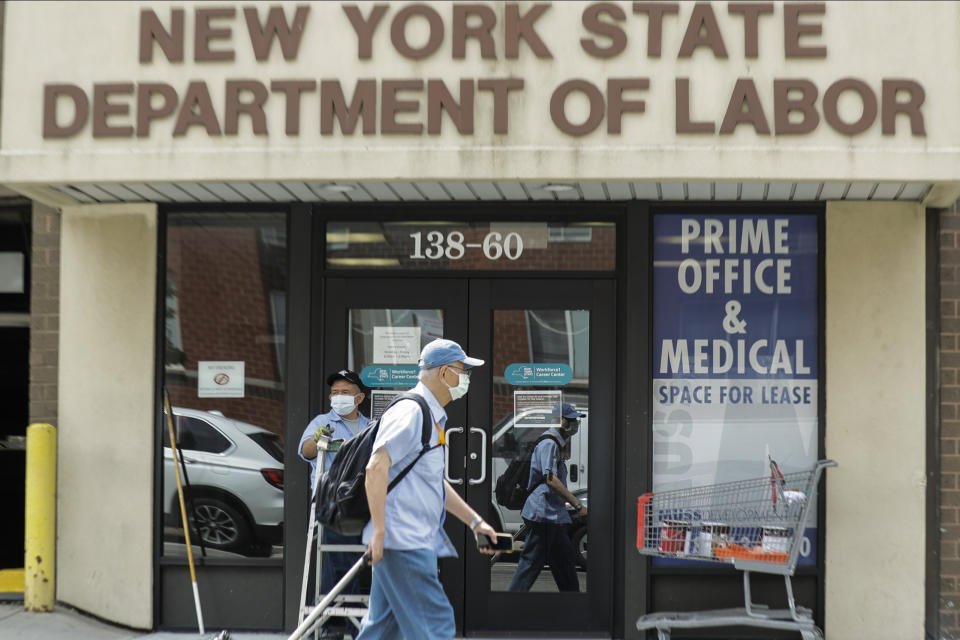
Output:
x,y
351,607
755,525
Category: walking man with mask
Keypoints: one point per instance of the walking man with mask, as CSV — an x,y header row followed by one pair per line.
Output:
x,y
545,513
405,535
343,421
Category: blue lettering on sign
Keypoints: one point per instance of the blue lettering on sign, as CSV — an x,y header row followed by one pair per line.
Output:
x,y
385,375
533,373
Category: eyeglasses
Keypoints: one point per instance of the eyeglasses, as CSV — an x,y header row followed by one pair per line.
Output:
x,y
465,372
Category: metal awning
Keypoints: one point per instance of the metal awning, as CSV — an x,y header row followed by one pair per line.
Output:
x,y
502,190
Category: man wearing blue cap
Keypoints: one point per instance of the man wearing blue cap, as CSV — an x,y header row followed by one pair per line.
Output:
x,y
405,534
342,422
545,513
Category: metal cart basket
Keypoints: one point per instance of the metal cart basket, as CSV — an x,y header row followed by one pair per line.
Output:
x,y
755,525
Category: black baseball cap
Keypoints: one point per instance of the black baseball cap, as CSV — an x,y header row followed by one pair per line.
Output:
x,y
345,374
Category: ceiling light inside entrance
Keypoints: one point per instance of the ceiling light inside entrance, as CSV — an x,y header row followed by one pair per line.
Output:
x,y
558,187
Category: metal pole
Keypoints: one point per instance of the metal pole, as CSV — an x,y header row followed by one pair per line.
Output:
x,y
311,620
40,517
183,510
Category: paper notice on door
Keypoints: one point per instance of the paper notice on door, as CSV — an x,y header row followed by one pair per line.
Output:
x,y
396,345
380,399
536,408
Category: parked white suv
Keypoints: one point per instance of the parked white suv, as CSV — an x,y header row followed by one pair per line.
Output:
x,y
235,473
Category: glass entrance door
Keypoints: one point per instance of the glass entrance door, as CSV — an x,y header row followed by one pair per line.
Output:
x,y
547,344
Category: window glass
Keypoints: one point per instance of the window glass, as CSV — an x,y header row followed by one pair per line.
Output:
x,y
384,348
225,317
472,246
736,342
540,360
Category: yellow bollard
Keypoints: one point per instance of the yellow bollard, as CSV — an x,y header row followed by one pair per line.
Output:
x,y
40,518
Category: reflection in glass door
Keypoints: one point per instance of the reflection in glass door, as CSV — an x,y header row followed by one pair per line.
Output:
x,y
544,341
540,363
550,348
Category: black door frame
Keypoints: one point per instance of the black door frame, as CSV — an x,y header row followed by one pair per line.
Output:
x,y
485,611
315,218
583,612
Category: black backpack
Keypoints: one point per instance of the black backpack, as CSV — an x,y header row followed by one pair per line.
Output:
x,y
511,489
341,494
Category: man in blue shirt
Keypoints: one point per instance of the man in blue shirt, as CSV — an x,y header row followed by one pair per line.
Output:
x,y
545,513
405,534
343,421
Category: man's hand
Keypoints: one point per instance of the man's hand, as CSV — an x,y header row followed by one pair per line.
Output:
x,y
488,531
321,432
375,548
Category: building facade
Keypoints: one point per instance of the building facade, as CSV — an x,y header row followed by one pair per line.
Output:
x,y
726,232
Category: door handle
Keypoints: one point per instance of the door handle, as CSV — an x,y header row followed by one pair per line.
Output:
x,y
446,456
483,455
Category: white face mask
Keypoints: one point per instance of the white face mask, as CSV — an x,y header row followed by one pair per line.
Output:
x,y
460,390
343,405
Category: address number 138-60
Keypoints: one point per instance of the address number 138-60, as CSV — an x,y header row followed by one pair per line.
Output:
x,y
453,247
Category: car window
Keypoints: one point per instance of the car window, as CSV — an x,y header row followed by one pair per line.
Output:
x,y
194,434
270,443
516,439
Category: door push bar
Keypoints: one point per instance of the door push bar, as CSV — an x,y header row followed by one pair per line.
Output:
x,y
446,471
483,455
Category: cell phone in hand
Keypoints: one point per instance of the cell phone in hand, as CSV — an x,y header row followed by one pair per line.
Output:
x,y
503,542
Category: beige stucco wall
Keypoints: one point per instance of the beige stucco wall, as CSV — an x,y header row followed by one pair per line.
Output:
x,y
876,420
84,43
105,509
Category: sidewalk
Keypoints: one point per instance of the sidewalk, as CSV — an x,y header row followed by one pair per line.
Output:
x,y
64,623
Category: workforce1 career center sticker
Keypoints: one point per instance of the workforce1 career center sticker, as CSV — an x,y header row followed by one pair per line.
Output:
x,y
735,346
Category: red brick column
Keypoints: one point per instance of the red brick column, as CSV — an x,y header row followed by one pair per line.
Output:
x,y
44,314
949,421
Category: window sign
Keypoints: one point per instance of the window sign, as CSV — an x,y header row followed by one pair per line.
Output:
x,y
389,375
220,379
521,374
471,246
535,408
11,272
396,345
735,348
380,399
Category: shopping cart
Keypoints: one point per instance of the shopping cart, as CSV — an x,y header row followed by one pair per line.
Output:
x,y
755,525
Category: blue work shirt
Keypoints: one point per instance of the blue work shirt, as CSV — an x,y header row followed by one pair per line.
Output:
x,y
544,504
333,420
415,508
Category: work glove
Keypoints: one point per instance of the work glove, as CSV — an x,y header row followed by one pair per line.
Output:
x,y
324,431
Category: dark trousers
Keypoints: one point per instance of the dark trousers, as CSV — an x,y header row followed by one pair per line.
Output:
x,y
546,543
337,564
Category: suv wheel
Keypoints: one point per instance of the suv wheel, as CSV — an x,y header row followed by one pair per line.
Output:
x,y
221,525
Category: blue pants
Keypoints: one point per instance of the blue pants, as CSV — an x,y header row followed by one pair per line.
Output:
x,y
337,564
407,600
546,543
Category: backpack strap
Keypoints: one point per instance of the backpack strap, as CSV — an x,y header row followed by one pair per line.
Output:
x,y
425,433
546,436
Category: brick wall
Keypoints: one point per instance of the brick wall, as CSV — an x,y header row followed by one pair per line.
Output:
x,y
221,276
44,314
949,422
